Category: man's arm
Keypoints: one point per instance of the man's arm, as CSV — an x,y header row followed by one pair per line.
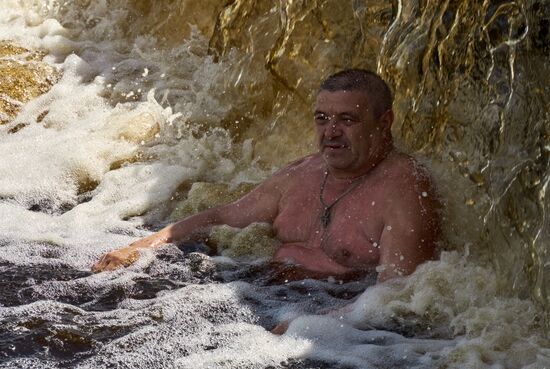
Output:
x,y
259,205
412,226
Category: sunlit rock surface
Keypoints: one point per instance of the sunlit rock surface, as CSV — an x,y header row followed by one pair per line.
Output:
x,y
23,76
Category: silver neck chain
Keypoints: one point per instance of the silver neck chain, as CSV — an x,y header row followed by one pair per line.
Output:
x,y
325,214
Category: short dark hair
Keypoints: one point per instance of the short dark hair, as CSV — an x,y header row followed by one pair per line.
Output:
x,y
363,80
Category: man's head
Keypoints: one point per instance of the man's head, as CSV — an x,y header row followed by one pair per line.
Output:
x,y
353,118
378,92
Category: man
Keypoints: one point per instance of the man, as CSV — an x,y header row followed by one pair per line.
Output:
x,y
355,206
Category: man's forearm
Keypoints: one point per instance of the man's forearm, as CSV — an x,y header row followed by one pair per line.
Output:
x,y
235,214
193,226
182,230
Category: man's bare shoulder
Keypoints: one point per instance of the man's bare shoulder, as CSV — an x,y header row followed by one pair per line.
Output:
x,y
292,174
299,168
410,190
406,173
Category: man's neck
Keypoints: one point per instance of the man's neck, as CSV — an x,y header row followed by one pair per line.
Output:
x,y
351,175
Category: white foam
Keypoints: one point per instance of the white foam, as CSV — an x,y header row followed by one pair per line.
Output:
x,y
336,341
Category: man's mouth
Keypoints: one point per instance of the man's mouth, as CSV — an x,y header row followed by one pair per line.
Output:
x,y
335,145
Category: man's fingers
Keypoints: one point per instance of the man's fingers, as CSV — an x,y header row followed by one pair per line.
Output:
x,y
106,262
97,267
116,259
111,266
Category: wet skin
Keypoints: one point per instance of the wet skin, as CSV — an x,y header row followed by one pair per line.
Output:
x,y
388,220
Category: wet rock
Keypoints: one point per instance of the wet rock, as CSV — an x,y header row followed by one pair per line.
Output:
x,y
257,239
204,195
23,76
200,263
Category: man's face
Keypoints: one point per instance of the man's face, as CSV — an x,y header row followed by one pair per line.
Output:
x,y
347,132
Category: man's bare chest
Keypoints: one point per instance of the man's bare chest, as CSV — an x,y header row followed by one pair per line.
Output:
x,y
353,229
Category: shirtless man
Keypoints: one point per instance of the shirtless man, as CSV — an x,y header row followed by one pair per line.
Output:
x,y
354,206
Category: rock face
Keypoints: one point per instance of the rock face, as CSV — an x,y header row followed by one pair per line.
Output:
x,y
23,76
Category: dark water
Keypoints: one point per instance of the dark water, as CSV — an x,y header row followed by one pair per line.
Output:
x,y
76,332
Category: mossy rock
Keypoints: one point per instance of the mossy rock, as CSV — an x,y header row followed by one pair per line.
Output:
x,y
204,195
255,240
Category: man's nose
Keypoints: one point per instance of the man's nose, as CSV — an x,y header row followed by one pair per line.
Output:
x,y
333,128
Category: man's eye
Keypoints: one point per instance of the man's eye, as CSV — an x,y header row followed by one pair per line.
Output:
x,y
348,121
320,119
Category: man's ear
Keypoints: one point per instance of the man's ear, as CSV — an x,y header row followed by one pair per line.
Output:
x,y
386,119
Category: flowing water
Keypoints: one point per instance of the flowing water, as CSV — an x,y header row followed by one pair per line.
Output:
x,y
120,116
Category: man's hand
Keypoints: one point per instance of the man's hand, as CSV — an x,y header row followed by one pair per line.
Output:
x,y
116,259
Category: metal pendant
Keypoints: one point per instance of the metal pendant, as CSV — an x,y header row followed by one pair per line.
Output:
x,y
325,217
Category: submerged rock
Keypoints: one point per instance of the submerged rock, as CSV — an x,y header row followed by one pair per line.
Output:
x,y
257,239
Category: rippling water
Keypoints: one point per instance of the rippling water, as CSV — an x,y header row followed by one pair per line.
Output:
x,y
119,117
